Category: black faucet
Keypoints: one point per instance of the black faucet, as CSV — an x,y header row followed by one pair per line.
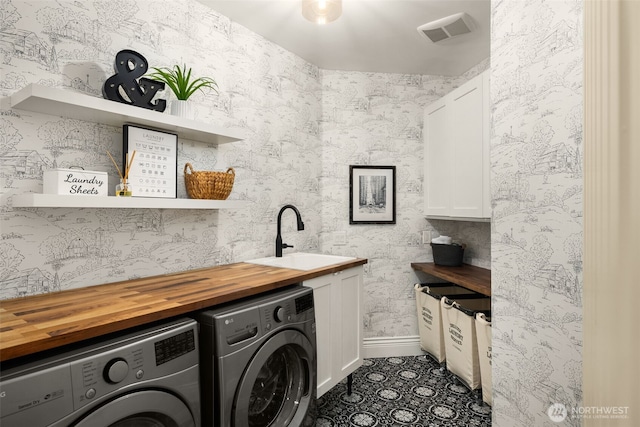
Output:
x,y
279,244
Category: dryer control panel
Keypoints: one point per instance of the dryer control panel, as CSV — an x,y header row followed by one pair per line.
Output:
x,y
145,357
46,390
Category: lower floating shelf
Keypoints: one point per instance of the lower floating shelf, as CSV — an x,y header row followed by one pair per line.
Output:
x,y
468,276
33,200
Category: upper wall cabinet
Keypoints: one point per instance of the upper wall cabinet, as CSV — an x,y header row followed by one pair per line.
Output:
x,y
456,158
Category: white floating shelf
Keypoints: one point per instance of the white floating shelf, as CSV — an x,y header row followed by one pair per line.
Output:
x,y
34,200
69,104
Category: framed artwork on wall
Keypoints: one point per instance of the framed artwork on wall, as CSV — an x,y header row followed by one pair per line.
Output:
x,y
372,194
153,172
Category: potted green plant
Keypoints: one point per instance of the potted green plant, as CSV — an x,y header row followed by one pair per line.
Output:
x,y
183,85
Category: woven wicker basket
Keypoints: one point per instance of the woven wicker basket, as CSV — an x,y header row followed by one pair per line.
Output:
x,y
208,185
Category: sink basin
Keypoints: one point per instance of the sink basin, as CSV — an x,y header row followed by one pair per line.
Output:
x,y
301,261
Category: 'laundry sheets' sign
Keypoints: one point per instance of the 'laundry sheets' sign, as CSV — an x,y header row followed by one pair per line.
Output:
x,y
75,182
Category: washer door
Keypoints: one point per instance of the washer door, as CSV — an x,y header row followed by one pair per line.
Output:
x,y
147,408
277,386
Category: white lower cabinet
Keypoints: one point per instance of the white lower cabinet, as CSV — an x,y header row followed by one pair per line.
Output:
x,y
337,299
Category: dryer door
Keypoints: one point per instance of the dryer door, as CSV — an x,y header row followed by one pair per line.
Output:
x,y
278,386
147,408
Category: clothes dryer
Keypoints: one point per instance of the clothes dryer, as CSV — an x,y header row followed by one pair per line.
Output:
x,y
258,360
148,377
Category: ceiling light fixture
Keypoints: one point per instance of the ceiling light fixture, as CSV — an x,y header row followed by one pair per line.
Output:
x,y
321,11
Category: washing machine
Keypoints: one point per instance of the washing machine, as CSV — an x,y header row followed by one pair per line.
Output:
x,y
143,378
258,361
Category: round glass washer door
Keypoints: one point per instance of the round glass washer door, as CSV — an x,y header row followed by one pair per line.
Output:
x,y
146,408
277,386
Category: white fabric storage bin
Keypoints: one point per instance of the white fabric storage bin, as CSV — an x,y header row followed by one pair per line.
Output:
x,y
74,182
429,316
460,340
483,335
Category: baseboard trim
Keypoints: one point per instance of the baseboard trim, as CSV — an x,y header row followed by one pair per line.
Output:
x,y
391,346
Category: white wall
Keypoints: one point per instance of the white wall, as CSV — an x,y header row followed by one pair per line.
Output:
x,y
536,241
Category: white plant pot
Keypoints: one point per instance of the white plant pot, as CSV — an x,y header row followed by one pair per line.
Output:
x,y
182,109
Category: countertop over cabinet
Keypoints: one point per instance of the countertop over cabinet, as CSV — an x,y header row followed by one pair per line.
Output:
x,y
468,276
36,323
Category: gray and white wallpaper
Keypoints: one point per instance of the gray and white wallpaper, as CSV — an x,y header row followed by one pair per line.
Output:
x,y
536,241
268,93
303,127
376,119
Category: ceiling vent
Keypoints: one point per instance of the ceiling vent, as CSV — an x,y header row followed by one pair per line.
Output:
x,y
446,28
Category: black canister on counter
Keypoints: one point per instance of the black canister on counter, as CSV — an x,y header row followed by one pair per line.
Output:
x,y
447,255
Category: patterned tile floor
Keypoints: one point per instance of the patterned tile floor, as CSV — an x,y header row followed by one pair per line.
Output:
x,y
402,391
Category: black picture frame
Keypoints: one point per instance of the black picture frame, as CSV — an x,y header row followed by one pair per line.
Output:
x,y
155,165
372,194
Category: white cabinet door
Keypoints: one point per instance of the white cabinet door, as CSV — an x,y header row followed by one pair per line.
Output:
x,y
486,144
437,158
467,154
349,284
325,297
456,137
337,300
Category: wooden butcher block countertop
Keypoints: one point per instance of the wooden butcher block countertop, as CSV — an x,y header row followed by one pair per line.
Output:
x,y
32,324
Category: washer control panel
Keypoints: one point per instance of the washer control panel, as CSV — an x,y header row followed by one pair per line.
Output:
x,y
284,311
242,323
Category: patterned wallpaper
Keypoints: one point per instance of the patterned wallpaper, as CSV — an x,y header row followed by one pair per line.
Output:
x,y
267,93
303,127
536,241
376,119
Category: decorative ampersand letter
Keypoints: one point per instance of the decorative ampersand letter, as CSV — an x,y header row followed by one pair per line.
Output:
x,y
125,87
